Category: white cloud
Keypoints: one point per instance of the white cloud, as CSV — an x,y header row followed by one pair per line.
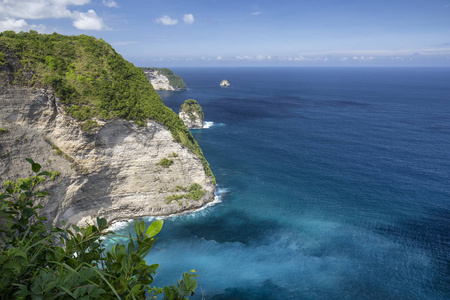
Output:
x,y
256,13
219,57
166,20
13,24
15,13
87,21
260,57
32,9
20,25
188,19
110,3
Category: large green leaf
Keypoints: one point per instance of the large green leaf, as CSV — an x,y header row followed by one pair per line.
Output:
x,y
35,167
154,228
28,212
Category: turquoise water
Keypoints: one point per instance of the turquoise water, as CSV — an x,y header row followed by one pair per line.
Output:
x,y
333,182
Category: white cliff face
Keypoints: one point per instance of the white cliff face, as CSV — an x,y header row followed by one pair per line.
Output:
x,y
159,81
112,172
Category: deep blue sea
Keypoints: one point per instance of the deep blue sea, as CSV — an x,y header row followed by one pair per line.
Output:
x,y
334,183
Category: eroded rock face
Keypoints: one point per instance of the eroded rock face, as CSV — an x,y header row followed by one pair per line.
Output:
x,y
191,121
192,114
112,172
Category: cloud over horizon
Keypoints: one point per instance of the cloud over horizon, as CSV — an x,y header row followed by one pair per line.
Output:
x,y
188,19
166,20
14,14
110,3
87,21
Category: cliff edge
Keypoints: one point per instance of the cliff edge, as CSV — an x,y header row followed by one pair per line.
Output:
x,y
120,153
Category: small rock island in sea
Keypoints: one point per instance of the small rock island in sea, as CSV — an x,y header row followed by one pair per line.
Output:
x,y
192,114
224,83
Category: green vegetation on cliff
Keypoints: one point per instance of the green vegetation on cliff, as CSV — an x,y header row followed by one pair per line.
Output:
x,y
174,80
91,79
42,262
190,106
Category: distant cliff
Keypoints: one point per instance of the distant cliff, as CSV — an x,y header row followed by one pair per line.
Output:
x,y
77,107
164,79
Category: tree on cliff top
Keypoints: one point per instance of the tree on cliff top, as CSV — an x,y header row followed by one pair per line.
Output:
x,y
40,262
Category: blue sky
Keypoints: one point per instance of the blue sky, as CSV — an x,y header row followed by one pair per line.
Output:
x,y
250,33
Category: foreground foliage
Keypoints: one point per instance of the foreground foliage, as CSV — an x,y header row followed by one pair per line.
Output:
x,y
41,262
91,79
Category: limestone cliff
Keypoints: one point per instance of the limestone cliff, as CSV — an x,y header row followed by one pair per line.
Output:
x,y
192,114
111,172
164,79
74,105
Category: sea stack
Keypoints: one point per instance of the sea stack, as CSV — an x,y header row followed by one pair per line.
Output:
x,y
192,114
224,83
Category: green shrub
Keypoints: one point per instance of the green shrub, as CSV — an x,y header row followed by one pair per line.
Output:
x,y
88,125
2,59
42,262
165,162
195,192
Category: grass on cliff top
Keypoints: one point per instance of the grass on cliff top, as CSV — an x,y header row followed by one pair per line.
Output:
x,y
91,79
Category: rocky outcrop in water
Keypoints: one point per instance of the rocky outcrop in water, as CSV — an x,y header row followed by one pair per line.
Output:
x,y
192,114
118,170
224,83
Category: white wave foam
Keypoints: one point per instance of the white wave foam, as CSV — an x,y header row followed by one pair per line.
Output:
x,y
208,124
118,225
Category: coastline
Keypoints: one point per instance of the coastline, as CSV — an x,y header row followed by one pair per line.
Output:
x,y
118,224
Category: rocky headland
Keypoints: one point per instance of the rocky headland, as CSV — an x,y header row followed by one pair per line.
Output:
x,y
109,165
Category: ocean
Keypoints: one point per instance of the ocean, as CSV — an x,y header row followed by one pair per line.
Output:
x,y
333,183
